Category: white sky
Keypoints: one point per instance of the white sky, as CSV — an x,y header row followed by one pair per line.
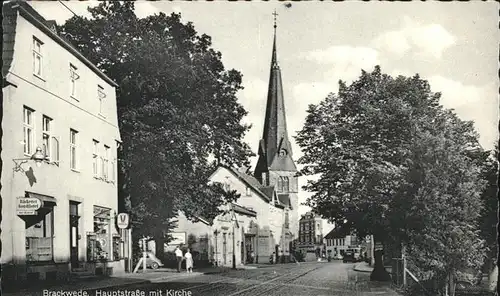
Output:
x,y
453,45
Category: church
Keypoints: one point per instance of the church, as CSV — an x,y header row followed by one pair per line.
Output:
x,y
264,220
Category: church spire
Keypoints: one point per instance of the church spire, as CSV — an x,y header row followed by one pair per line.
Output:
x,y
275,150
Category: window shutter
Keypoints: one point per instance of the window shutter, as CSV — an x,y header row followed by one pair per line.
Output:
x,y
101,162
54,151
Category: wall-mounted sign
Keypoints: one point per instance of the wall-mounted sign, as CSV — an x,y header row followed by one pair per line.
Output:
x,y
28,205
178,238
122,220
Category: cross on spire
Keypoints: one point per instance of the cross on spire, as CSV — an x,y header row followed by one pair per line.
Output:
x,y
275,15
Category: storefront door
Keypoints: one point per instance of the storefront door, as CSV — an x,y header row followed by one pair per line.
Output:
x,y
73,233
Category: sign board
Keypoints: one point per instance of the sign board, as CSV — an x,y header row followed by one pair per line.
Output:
x,y
28,205
122,220
378,246
178,238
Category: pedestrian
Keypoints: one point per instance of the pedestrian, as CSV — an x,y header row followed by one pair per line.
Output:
x,y
178,255
189,261
252,256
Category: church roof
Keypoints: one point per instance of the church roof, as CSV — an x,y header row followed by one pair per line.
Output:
x,y
284,199
268,190
250,181
275,134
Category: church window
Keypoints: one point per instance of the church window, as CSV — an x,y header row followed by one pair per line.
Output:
x,y
282,152
286,184
265,179
248,191
280,184
287,220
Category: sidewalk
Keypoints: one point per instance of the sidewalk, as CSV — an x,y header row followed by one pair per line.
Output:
x,y
365,267
118,280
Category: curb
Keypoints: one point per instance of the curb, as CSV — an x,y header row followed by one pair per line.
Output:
x,y
355,268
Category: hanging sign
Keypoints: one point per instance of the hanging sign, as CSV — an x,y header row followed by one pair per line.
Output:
x,y
122,220
28,205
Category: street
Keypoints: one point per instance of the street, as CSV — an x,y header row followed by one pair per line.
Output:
x,y
334,278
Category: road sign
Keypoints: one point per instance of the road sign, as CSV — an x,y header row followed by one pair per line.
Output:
x,y
122,220
28,205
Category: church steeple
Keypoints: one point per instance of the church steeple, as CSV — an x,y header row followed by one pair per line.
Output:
x,y
275,150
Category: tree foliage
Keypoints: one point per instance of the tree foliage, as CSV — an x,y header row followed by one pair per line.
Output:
x,y
394,163
177,107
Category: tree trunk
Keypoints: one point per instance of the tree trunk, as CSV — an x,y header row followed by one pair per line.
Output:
x,y
160,246
451,284
379,273
493,279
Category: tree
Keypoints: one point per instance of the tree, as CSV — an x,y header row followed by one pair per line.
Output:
x,y
393,163
178,112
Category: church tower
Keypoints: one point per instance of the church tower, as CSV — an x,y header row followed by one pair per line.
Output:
x,y
275,166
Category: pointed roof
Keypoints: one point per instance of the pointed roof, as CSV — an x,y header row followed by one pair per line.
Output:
x,y
275,134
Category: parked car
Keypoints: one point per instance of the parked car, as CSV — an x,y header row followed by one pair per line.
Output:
x,y
350,256
338,257
152,261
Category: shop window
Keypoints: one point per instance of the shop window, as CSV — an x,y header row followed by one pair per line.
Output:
x,y
39,235
99,245
117,254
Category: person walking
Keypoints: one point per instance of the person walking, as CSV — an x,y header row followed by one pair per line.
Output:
x,y
178,255
189,261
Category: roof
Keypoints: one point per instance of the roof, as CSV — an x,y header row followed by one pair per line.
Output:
x,y
250,181
275,134
338,232
243,210
284,199
29,13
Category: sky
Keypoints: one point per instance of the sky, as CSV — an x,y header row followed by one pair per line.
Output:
x,y
453,45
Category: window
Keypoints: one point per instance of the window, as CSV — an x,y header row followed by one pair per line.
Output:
x,y
39,235
46,135
105,164
28,130
287,221
100,95
280,184
95,158
74,77
99,246
286,184
248,192
73,149
113,171
265,179
37,57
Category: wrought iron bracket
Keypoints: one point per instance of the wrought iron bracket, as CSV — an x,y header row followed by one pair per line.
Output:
x,y
18,162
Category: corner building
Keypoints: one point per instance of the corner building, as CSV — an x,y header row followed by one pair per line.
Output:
x,y
56,102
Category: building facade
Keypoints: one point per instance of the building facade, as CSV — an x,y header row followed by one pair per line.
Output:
x,y
265,217
311,236
254,227
58,213
337,242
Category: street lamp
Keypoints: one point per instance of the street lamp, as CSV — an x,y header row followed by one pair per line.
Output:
x,y
38,157
234,237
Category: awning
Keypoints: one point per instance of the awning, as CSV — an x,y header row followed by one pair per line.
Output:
x,y
48,201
